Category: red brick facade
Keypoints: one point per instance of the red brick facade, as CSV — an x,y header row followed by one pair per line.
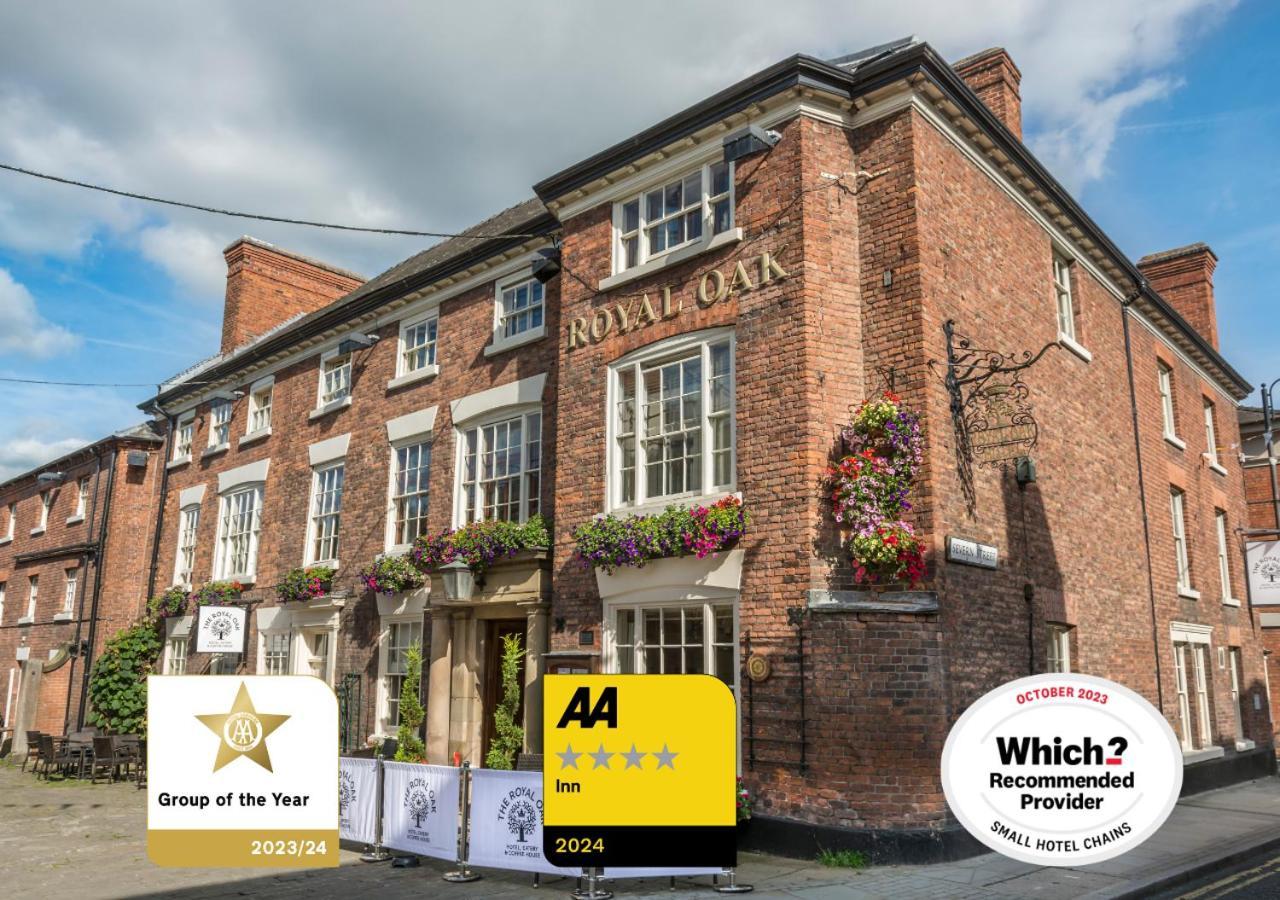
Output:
x,y
855,237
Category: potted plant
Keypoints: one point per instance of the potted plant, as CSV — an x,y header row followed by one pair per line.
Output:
x,y
479,544
217,593
172,602
742,802
392,574
305,583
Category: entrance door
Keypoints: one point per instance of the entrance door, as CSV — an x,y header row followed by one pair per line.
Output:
x,y
492,693
318,655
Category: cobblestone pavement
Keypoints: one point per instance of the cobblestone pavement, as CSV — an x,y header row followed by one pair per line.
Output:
x,y
73,839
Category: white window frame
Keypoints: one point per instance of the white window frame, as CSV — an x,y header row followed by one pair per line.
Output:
x,y
1168,409
319,474
33,597
326,400
1233,659
404,372
1211,437
678,346
513,282
1200,662
1224,559
82,497
1177,511
46,505
305,658
71,580
222,555
385,724
184,431
270,643
1058,652
188,530
175,654
643,256
261,402
1064,302
1191,648
2,589
424,442
1184,702
12,527
221,413
479,424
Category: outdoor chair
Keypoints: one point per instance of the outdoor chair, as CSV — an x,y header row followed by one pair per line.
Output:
x,y
33,751
104,757
127,752
52,756
140,765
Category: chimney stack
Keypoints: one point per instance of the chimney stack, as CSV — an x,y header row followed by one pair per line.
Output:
x,y
267,285
1184,277
992,75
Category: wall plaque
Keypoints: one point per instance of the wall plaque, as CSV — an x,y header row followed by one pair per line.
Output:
x,y
971,553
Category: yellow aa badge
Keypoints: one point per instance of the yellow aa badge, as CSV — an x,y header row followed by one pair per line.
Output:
x,y
639,770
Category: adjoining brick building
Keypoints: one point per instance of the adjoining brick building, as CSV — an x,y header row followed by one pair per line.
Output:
x,y
730,283
75,543
1260,478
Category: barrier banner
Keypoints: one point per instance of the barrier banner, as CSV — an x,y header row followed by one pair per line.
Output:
x,y
420,809
506,822
357,799
661,872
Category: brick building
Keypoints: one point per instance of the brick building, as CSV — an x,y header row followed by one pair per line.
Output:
x,y
75,543
690,314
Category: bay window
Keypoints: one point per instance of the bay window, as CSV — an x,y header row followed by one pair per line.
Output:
x,y
673,422
680,212
239,524
501,469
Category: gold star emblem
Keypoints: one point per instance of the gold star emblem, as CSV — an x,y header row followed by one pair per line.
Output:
x,y
243,731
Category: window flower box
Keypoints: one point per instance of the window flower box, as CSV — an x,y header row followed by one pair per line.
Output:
x,y
480,544
675,576
304,584
217,593
612,542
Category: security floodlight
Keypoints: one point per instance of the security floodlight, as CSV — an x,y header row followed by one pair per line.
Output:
x,y
229,396
51,478
354,342
547,265
751,139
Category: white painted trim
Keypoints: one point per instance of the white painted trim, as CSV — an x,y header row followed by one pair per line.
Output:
x,y
178,463
329,450
1230,601
416,375
498,344
1175,441
527,337
1069,343
1189,593
1216,466
252,473
254,436
411,425
323,411
675,257
1190,632
191,496
526,391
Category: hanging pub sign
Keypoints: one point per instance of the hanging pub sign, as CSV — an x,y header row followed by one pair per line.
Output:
x,y
1000,424
221,629
1263,562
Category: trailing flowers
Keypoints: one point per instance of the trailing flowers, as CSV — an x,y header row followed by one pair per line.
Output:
x,y
612,542
881,451
217,593
172,602
391,575
479,544
305,584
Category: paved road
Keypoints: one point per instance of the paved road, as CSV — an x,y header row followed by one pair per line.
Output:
x,y
1256,879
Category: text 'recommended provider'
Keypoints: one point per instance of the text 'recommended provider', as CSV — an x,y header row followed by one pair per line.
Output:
x,y
242,771
639,770
1062,770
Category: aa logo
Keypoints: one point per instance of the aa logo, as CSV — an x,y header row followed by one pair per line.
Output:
x,y
581,711
242,731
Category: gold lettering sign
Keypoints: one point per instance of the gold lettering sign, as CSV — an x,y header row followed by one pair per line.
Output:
x,y
710,288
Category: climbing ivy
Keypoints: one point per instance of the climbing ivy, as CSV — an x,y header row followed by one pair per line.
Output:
x,y
118,681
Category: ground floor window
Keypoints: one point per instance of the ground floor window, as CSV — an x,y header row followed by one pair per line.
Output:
x,y
275,653
1191,676
1237,697
318,659
400,636
175,656
679,638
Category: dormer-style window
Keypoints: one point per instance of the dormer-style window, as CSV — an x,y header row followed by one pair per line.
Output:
x,y
680,212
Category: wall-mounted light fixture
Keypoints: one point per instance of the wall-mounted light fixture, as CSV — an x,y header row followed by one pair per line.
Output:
x,y
51,478
547,264
1024,469
229,396
751,139
353,342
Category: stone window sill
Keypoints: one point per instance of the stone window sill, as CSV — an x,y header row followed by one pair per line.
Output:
x,y
214,451
535,334
732,236
1242,746
413,377
25,620
652,507
62,617
176,463
75,520
1069,342
1216,466
1176,441
254,436
1194,756
1230,601
5,540
35,532
334,406
1189,593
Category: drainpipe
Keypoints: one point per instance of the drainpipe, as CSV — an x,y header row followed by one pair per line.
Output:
x,y
1142,487
97,587
84,588
164,496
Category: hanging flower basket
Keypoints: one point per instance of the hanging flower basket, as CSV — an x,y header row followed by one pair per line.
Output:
x,y
614,542
392,575
479,544
886,554
306,583
172,602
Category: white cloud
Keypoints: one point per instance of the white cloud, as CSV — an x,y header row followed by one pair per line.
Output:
x,y
22,329
19,455
190,255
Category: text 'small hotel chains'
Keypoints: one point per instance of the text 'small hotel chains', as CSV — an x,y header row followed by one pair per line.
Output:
x,y
802,270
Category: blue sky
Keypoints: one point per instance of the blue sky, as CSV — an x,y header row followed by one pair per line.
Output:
x,y
1158,114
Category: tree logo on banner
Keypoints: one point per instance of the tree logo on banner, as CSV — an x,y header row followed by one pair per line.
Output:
x,y
346,794
1268,568
419,800
522,811
220,624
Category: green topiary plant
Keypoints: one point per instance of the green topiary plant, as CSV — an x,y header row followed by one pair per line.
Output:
x,y
508,737
118,681
409,745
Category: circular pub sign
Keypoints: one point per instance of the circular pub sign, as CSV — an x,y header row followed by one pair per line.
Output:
x,y
1062,770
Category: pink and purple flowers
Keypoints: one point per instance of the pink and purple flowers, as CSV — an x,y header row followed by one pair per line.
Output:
x,y
613,542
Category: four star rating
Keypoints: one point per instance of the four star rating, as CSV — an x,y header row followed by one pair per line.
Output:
x,y
600,758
